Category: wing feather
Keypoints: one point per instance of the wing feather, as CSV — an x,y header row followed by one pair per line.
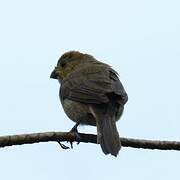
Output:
x,y
92,84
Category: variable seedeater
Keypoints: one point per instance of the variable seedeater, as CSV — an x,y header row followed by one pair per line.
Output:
x,y
91,94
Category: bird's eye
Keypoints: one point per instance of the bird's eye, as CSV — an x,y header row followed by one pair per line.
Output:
x,y
63,64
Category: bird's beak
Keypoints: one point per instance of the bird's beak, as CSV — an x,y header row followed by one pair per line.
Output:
x,y
54,74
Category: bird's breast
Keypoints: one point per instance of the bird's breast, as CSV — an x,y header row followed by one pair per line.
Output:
x,y
78,112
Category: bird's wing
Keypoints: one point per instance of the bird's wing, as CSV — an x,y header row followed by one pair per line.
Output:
x,y
92,84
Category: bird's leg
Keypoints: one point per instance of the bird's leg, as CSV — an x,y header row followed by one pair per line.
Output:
x,y
75,131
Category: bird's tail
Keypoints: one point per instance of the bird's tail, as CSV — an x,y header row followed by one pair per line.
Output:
x,y
107,134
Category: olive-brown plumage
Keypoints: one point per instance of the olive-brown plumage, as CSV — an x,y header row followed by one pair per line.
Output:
x,y
91,94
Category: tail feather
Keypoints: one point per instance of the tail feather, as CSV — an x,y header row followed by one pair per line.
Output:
x,y
107,134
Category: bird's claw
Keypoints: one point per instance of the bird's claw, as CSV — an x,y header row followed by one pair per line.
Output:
x,y
63,146
71,143
78,138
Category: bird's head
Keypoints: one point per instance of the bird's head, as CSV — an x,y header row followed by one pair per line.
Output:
x,y
68,62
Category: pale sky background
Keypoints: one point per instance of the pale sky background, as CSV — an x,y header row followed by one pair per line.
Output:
x,y
140,39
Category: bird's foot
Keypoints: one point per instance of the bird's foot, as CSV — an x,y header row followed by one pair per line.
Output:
x,y
76,133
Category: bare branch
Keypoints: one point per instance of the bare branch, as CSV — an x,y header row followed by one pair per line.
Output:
x,y
86,138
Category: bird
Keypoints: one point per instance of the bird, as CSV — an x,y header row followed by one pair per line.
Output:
x,y
91,94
